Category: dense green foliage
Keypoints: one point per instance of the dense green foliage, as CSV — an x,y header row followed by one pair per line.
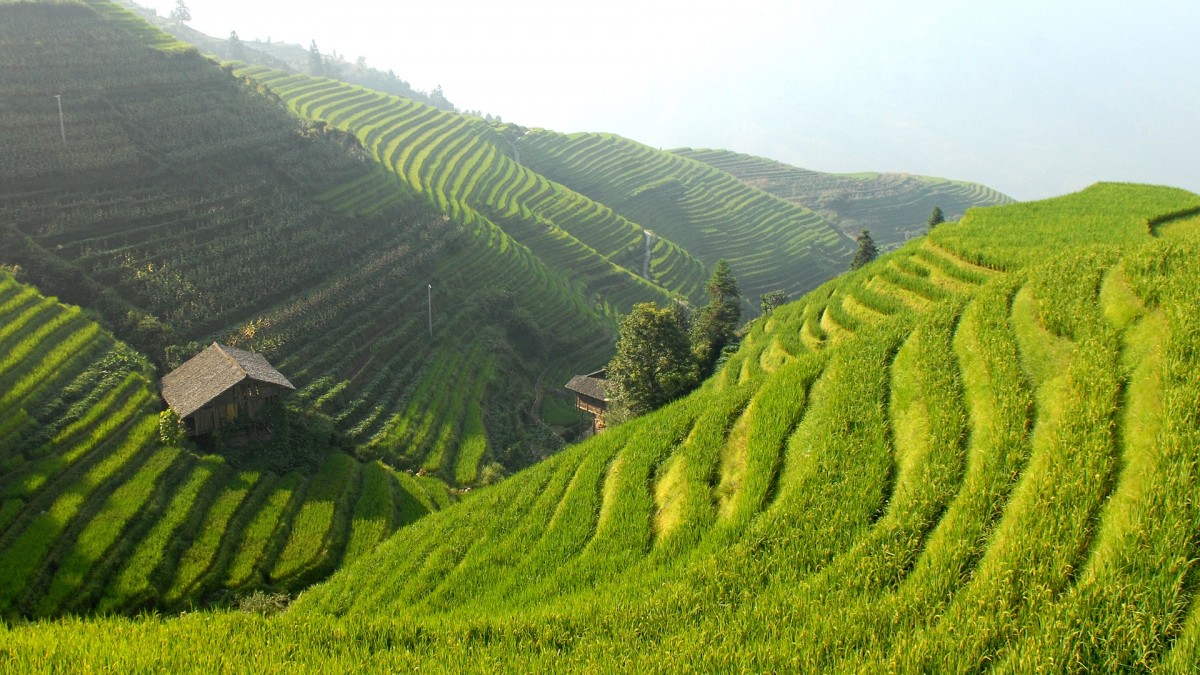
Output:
x,y
767,302
663,354
654,364
958,456
894,206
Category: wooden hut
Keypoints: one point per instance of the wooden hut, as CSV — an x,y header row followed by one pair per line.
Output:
x,y
220,384
591,396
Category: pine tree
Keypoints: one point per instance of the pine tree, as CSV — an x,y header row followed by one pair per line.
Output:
x,y
181,13
936,218
867,251
716,324
316,64
437,99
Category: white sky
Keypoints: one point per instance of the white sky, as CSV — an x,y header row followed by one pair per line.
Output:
x,y
1032,97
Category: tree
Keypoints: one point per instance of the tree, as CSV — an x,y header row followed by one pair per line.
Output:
x,y
653,364
769,301
867,251
335,64
936,217
316,64
237,50
437,99
181,13
716,324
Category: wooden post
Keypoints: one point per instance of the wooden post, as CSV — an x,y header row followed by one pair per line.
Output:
x,y
62,126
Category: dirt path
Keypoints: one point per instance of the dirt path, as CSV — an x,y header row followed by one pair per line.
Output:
x,y
646,259
538,391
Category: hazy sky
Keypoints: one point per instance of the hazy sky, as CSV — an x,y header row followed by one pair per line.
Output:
x,y
1034,98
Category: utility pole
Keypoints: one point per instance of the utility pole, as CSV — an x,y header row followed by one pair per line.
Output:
x,y
61,125
431,310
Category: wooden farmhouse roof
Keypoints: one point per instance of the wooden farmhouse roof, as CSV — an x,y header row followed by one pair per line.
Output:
x,y
592,384
213,371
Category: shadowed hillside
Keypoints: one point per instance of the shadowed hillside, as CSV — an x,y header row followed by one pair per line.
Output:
x,y
187,207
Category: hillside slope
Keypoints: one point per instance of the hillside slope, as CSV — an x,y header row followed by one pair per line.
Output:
x,y
979,451
188,207
672,217
769,243
467,168
894,207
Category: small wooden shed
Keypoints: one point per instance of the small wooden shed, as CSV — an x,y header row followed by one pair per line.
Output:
x,y
220,384
591,396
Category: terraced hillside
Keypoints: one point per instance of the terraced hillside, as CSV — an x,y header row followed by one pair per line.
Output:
x,y
894,207
770,243
466,168
98,513
187,207
979,451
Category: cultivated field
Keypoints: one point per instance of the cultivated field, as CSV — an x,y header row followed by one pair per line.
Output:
x,y
97,513
894,207
979,450
187,207
466,168
770,243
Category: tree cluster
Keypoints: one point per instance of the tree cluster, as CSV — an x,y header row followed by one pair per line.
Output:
x,y
664,353
181,13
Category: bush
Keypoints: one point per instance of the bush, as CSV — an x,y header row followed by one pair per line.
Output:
x,y
170,428
260,602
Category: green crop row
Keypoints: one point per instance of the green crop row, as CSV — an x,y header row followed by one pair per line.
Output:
x,y
460,166
706,211
311,530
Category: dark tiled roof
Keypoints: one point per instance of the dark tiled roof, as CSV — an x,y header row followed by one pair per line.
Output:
x,y
208,374
593,385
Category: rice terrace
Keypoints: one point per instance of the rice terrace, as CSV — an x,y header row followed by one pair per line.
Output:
x,y
283,346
